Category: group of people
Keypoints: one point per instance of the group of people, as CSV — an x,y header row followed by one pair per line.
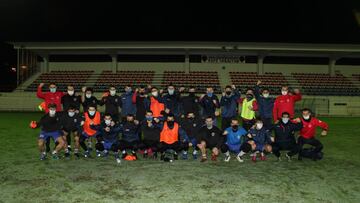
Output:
x,y
171,123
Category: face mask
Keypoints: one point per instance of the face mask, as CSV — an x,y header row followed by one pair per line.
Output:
x,y
70,92
171,92
209,125
149,118
71,114
142,93
209,94
285,120
284,92
88,96
128,90
112,92
306,117
107,122
52,90
235,128
249,97
259,126
228,92
171,123
155,94
52,112
92,113
266,95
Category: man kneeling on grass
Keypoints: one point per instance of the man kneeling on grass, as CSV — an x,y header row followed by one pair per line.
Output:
x,y
262,138
234,135
108,137
210,137
51,127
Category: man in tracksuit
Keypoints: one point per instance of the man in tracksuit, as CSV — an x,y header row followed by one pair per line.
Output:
x,y
108,137
285,103
112,103
265,105
234,136
142,103
127,105
307,133
71,99
130,139
88,99
172,101
228,103
284,136
172,137
192,124
262,138
190,103
151,135
209,103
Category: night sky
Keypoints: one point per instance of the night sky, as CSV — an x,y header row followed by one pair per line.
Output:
x,y
252,21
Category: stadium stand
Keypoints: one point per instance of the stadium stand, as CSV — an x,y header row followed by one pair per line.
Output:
x,y
324,84
122,78
62,79
271,80
198,79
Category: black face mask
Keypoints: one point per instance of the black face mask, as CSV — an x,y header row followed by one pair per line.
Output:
x,y
170,123
142,93
249,97
235,128
228,92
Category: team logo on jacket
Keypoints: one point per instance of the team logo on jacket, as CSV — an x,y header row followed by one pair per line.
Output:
x,y
288,100
116,100
75,99
194,125
75,120
93,101
212,134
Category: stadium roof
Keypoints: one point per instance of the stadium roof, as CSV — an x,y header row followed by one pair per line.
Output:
x,y
176,47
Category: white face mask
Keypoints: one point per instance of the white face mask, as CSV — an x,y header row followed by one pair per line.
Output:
x,y
284,92
285,120
52,112
259,126
52,89
155,94
70,92
306,117
92,113
112,92
266,95
88,96
71,114
107,122
171,92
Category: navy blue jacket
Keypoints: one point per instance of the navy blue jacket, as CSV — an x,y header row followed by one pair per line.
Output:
x,y
127,106
229,105
266,105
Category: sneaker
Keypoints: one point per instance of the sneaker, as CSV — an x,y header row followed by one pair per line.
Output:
x,y
69,148
227,158
288,157
184,156
42,157
203,159
145,155
253,158
154,156
118,160
239,158
213,157
98,153
77,155
55,156
279,159
262,157
105,154
134,154
194,156
123,155
87,154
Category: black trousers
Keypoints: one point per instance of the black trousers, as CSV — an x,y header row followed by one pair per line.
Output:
x,y
124,145
225,122
291,146
247,124
176,146
312,141
267,122
153,144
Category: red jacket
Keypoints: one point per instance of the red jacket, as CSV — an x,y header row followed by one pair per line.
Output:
x,y
50,98
285,103
309,128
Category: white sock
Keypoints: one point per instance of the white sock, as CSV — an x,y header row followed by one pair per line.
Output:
x,y
124,152
76,150
54,152
66,150
227,153
44,153
241,153
184,152
145,151
195,152
69,146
